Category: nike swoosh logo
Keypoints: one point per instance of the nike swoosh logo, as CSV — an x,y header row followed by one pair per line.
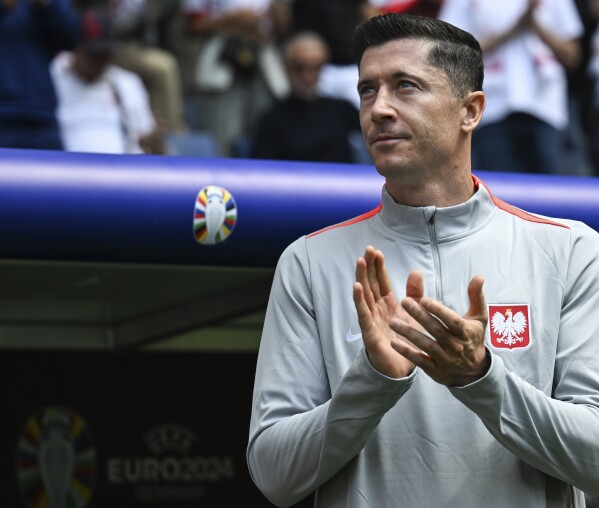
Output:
x,y
351,337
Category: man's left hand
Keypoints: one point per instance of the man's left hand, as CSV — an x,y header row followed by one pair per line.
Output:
x,y
456,355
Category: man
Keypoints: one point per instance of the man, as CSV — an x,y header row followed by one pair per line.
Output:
x,y
305,126
31,32
421,404
102,108
334,21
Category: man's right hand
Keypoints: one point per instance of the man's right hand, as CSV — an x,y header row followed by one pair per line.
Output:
x,y
376,305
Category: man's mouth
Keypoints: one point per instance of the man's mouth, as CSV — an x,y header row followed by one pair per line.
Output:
x,y
387,138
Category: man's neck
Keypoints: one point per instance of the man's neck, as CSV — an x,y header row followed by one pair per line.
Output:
x,y
450,191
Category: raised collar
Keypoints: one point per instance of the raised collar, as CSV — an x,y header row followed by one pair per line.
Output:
x,y
449,222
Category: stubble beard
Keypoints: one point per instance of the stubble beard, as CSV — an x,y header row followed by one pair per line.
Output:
x,y
398,167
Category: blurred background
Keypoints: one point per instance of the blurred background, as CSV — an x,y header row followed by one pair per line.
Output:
x,y
130,316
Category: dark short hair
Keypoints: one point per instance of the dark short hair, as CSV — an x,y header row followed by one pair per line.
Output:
x,y
456,52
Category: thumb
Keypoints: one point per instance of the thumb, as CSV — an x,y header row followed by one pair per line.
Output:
x,y
478,306
415,285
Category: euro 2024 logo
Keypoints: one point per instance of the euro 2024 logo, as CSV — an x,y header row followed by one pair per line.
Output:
x,y
56,460
215,215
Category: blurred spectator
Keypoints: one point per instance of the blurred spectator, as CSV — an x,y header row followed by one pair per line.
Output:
x,y
593,68
527,44
31,32
580,100
239,72
335,21
101,107
305,126
149,34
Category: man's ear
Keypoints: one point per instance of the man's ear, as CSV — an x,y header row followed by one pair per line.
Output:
x,y
472,109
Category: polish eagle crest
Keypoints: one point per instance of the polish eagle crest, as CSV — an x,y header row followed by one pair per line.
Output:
x,y
509,327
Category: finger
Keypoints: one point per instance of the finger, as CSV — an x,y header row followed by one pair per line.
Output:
x,y
415,285
370,257
449,318
420,340
426,319
478,306
364,313
413,354
362,278
382,274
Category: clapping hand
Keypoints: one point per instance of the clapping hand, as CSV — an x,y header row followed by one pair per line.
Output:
x,y
451,350
377,305
421,331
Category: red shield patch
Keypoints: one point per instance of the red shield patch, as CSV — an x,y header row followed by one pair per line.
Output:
x,y
509,326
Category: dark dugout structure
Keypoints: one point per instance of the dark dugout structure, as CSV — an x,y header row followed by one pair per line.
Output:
x,y
132,290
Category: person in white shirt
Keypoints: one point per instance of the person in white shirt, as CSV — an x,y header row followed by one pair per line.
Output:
x,y
102,108
527,45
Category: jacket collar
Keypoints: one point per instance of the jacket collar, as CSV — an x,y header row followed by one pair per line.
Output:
x,y
448,223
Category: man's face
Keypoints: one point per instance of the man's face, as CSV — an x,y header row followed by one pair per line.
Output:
x,y
409,115
304,62
91,65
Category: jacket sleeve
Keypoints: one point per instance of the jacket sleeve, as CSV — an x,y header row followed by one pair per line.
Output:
x,y
557,434
300,436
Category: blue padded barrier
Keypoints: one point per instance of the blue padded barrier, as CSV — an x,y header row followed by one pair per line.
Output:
x,y
140,209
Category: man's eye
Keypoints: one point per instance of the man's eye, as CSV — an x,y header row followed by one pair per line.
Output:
x,y
365,90
405,84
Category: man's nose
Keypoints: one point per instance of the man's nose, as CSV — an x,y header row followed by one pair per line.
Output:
x,y
384,107
310,75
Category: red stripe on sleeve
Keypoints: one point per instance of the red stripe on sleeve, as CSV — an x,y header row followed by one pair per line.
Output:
x,y
349,222
516,211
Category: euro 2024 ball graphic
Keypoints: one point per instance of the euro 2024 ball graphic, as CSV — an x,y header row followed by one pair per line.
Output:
x,y
215,215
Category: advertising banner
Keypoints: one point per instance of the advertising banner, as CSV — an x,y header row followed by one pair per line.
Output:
x,y
126,430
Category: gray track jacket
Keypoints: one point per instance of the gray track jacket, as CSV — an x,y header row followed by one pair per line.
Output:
x,y
524,435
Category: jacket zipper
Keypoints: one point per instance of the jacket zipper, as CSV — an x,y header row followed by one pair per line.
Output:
x,y
432,233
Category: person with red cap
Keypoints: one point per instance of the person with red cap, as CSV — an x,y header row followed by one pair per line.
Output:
x,y
102,108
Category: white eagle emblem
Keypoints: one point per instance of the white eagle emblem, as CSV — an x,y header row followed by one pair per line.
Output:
x,y
508,329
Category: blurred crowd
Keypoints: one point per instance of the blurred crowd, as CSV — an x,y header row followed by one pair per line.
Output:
x,y
276,79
